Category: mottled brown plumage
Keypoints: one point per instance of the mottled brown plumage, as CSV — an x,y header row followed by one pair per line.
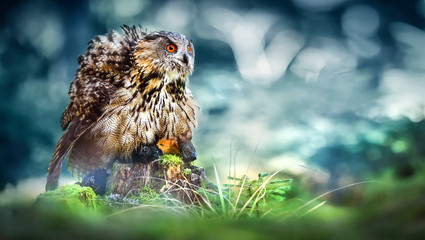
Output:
x,y
129,92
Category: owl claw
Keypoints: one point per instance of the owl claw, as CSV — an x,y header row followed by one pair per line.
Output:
x,y
147,153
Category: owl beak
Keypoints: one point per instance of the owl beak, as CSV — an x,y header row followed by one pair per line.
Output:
x,y
185,58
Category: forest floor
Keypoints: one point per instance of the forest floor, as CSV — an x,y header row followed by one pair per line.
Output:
x,y
389,208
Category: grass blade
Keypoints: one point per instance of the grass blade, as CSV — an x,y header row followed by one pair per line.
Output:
x,y
220,192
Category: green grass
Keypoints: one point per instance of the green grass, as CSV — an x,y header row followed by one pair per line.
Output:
x,y
390,208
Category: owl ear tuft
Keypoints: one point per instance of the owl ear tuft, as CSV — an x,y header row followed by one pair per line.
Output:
x,y
134,33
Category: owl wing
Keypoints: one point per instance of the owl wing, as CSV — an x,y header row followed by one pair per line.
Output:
x,y
100,74
107,59
88,98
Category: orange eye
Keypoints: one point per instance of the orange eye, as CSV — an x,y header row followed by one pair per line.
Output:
x,y
188,48
171,48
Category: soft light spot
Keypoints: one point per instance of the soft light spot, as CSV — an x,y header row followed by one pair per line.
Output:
x,y
360,20
328,56
398,146
127,8
261,60
175,14
317,141
403,94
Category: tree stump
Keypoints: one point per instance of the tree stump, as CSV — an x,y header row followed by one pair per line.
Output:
x,y
167,175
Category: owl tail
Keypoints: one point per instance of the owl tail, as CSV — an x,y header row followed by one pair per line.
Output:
x,y
65,143
55,165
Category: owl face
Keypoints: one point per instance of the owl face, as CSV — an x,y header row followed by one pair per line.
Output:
x,y
168,52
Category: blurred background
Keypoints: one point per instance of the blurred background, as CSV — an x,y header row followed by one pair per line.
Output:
x,y
336,85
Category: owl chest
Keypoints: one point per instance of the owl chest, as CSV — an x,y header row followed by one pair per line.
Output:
x,y
131,123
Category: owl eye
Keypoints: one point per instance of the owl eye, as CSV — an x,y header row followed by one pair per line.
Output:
x,y
171,48
188,48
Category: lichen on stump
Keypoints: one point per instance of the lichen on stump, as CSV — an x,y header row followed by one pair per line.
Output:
x,y
169,175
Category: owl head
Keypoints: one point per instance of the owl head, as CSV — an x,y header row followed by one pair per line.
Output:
x,y
164,52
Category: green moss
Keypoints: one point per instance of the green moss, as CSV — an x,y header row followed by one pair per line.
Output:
x,y
71,196
187,171
109,189
170,160
147,195
159,173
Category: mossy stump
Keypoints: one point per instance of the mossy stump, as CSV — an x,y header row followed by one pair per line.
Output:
x,y
70,197
168,175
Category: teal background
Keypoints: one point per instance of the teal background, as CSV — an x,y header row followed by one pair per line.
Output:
x,y
335,85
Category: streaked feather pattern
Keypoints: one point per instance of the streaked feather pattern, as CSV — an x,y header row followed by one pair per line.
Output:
x,y
128,92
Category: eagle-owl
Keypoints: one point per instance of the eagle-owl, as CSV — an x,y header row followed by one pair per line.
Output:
x,y
128,93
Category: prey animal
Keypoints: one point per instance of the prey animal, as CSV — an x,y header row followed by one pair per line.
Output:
x,y
130,91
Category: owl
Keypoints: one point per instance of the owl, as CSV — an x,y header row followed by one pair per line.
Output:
x,y
130,91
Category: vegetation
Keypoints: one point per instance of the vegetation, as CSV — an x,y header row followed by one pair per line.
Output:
x,y
390,208
187,171
167,160
70,196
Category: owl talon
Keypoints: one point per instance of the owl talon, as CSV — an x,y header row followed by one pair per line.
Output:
x,y
147,153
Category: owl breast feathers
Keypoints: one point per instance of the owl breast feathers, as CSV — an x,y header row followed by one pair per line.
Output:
x,y
129,92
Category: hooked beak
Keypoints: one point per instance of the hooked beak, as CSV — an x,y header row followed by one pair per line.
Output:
x,y
185,58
